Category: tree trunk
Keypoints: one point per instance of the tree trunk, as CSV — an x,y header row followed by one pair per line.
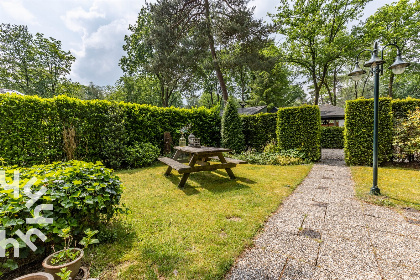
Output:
x,y
329,93
213,53
391,82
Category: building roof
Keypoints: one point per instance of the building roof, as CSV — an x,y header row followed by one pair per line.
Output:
x,y
5,90
330,112
252,110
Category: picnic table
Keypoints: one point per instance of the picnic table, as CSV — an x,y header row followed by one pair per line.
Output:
x,y
198,161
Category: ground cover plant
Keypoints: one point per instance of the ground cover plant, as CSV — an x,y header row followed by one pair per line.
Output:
x,y
83,195
191,233
399,187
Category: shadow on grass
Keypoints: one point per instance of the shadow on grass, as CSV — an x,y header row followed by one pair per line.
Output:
x,y
215,182
115,239
388,201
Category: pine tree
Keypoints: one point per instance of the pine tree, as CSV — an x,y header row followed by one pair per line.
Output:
x,y
232,134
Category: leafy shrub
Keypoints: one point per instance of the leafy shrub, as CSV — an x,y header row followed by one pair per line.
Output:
x,y
34,130
358,132
289,157
142,154
259,129
232,134
407,137
83,195
299,128
270,147
332,137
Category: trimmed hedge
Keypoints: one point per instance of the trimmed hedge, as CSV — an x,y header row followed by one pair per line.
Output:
x,y
259,129
32,128
401,108
299,128
358,132
332,137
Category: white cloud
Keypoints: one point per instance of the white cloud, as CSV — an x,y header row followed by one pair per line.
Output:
x,y
76,19
16,10
108,36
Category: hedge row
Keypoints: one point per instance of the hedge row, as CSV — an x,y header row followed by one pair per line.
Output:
x,y
332,137
299,128
401,108
259,129
358,132
33,130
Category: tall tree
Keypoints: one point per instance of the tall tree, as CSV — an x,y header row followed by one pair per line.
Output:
x,y
33,64
396,23
161,48
315,35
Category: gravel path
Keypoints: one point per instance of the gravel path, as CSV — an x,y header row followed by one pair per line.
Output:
x,y
322,232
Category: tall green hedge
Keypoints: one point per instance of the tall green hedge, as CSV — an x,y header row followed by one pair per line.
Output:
x,y
300,128
31,128
259,129
358,132
332,137
401,107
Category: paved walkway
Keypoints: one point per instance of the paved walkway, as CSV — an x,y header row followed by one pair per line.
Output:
x,y
322,232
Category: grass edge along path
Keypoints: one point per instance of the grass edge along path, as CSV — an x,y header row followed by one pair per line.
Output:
x,y
191,233
400,187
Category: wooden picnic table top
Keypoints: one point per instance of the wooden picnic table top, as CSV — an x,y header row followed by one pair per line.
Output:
x,y
201,150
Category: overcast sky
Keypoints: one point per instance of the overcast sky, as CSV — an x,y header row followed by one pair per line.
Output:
x,y
93,30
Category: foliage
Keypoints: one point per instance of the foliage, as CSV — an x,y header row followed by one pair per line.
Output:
x,y
358,132
231,132
395,23
316,35
31,130
332,137
68,254
407,137
299,128
159,48
142,154
402,108
31,63
259,129
83,195
289,157
64,274
178,42
198,231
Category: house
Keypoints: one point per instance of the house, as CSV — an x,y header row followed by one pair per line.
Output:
x,y
331,115
252,110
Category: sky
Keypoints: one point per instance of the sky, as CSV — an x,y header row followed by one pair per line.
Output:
x,y
93,30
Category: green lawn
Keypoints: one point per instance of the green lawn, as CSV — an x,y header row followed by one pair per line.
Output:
x,y
194,233
399,187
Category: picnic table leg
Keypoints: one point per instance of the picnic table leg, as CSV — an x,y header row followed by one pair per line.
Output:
x,y
186,175
176,156
228,170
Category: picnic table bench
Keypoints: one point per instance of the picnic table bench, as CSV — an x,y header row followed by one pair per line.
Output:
x,y
200,156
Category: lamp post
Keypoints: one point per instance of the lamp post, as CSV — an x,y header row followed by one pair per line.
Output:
x,y
376,65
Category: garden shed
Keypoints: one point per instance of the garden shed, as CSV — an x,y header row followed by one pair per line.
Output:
x,y
331,115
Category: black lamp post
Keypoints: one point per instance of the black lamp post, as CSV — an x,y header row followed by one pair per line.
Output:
x,y
376,64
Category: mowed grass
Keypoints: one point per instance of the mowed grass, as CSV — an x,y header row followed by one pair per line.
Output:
x,y
399,187
191,233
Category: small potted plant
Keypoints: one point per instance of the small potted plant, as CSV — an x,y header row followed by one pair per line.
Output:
x,y
69,258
